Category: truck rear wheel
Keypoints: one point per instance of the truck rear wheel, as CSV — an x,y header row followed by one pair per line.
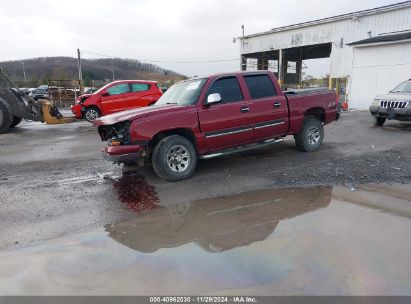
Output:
x,y
6,118
174,158
310,136
16,121
379,121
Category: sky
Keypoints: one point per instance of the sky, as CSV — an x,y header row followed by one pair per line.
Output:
x,y
157,30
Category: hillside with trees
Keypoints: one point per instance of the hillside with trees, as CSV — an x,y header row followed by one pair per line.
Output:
x,y
98,71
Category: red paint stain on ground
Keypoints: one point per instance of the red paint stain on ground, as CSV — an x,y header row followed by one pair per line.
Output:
x,y
136,193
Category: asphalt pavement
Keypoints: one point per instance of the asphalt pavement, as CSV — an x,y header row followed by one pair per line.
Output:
x,y
274,221
54,182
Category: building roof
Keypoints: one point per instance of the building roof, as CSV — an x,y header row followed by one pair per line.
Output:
x,y
384,38
336,18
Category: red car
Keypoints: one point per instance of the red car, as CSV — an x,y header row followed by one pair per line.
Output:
x,y
115,97
215,116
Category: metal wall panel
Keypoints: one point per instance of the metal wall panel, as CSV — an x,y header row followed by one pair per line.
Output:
x,y
349,30
377,70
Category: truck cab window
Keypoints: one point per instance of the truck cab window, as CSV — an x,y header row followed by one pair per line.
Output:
x,y
228,88
260,86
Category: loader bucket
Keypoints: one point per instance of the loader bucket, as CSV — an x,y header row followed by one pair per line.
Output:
x,y
51,114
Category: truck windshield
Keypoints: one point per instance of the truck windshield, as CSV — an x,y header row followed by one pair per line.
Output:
x,y
404,87
183,93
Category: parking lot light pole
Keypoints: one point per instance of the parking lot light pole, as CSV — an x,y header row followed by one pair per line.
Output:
x,y
80,73
112,71
24,74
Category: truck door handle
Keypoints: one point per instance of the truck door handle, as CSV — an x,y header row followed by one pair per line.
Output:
x,y
277,104
245,109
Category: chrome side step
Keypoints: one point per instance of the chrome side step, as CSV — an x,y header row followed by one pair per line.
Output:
x,y
265,143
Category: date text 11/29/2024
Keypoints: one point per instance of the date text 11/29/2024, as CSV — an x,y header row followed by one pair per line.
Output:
x,y
203,299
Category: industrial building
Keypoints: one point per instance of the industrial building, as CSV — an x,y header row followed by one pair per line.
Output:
x,y
369,51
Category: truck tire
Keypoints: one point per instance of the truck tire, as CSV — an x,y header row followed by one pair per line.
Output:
x,y
16,121
310,136
174,158
6,118
92,113
379,121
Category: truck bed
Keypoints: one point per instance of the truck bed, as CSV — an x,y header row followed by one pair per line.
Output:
x,y
299,100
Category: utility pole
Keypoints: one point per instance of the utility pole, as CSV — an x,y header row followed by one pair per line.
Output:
x,y
24,74
80,74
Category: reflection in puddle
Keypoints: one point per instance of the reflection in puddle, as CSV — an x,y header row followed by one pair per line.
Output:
x,y
219,224
136,193
287,241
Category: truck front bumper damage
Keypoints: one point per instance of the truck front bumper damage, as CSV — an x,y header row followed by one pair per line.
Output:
x,y
124,154
392,113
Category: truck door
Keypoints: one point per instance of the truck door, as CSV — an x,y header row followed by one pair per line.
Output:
x,y
227,123
268,108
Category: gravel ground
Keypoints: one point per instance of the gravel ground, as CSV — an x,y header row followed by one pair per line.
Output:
x,y
53,181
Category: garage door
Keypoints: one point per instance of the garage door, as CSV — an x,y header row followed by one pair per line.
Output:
x,y
377,69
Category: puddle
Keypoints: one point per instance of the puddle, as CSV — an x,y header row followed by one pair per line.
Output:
x,y
286,241
221,223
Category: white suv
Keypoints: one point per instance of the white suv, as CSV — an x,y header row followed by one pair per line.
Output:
x,y
394,105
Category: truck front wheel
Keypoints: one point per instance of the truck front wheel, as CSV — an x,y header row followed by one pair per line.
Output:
x,y
174,158
310,136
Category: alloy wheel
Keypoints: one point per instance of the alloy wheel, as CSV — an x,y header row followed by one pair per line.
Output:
x,y
314,136
91,115
178,158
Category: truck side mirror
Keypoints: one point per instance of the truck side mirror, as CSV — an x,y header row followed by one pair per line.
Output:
x,y
213,98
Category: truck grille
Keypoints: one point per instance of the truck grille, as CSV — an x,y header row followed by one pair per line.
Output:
x,y
393,104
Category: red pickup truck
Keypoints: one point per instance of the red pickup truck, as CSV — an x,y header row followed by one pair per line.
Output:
x,y
213,116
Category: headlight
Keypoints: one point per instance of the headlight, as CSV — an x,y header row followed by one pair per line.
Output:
x,y
118,133
375,103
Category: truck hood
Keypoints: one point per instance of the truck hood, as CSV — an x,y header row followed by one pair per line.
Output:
x,y
135,113
394,96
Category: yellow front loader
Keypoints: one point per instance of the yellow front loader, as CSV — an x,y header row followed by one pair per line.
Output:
x,y
15,105
51,114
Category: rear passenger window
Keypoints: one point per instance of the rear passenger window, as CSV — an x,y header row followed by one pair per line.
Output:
x,y
228,88
139,87
260,86
118,89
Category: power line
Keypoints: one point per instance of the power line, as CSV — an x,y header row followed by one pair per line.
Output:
x,y
160,61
